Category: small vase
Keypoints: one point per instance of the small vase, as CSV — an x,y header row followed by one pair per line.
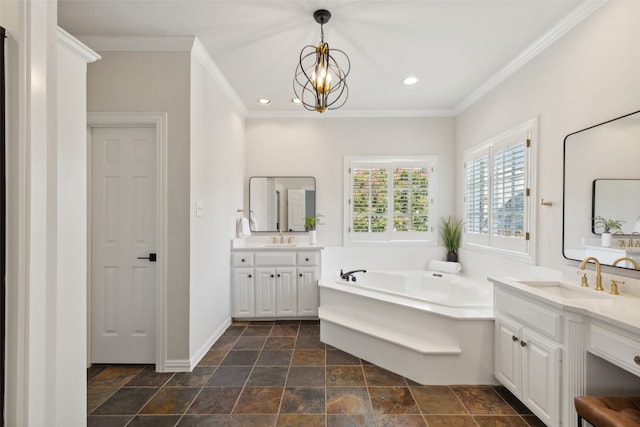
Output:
x,y
606,240
452,256
312,237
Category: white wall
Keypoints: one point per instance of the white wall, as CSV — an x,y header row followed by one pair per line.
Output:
x,y
43,314
216,177
70,318
585,78
317,146
158,82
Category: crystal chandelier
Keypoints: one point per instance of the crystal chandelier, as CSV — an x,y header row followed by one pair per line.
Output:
x,y
320,83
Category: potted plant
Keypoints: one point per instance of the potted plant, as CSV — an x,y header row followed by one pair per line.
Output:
x,y
608,226
451,231
310,224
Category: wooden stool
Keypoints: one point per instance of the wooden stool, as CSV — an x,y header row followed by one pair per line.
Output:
x,y
608,411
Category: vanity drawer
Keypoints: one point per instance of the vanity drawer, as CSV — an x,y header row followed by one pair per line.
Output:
x,y
536,316
615,348
308,258
241,259
275,259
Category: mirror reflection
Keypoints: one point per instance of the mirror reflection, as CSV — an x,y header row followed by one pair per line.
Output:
x,y
281,202
608,204
602,178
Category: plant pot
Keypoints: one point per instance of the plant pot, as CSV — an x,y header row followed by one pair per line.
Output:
x,y
452,256
312,237
606,240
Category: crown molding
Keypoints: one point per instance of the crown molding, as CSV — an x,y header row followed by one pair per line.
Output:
x,y
200,53
550,37
76,47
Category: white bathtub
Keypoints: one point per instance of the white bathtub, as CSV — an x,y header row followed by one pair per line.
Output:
x,y
439,289
433,328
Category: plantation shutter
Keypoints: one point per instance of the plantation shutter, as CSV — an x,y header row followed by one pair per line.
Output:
x,y
391,200
477,195
508,215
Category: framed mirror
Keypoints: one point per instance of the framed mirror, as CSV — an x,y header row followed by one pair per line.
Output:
x,y
602,178
281,202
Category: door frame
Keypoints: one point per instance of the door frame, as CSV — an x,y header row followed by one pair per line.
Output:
x,y
134,119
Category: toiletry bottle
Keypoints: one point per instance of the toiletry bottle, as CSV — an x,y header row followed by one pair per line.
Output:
x,y
239,231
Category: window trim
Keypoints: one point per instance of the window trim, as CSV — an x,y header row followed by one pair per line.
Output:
x,y
486,243
413,238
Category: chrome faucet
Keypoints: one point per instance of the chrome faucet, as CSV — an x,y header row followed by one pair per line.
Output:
x,y
349,274
598,273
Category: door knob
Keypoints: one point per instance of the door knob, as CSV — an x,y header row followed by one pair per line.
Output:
x,y
151,257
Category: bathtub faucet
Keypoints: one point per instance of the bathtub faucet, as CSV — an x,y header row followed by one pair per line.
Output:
x,y
349,274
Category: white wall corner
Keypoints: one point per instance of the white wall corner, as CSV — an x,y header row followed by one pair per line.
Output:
x,y
200,53
547,39
204,348
76,47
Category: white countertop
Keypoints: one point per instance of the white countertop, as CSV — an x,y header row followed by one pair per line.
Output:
x,y
260,243
620,310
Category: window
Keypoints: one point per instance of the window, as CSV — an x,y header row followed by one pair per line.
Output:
x,y
498,193
390,199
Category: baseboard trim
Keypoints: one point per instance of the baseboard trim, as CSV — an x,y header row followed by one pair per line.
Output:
x,y
177,365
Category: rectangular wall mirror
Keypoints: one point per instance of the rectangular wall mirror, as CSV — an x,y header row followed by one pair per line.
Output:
x,y
602,178
281,202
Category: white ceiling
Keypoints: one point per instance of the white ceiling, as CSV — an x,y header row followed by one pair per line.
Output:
x,y
458,49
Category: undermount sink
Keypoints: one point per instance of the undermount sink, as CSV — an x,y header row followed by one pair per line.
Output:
x,y
565,290
279,245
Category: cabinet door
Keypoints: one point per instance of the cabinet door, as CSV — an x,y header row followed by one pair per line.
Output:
x,y
541,376
286,292
243,293
265,292
507,354
307,291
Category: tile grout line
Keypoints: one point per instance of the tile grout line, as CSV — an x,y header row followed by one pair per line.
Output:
x,y
235,405
286,378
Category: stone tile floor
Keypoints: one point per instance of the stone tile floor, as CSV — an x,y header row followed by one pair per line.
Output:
x,y
280,374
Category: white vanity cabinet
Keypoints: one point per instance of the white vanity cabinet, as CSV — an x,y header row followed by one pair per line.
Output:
x,y
616,345
276,291
275,283
528,352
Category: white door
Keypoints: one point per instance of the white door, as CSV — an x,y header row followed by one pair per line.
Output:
x,y
243,293
123,231
265,291
507,354
541,377
296,211
307,291
286,292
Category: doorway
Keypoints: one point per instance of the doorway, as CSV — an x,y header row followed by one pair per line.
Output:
x,y
127,238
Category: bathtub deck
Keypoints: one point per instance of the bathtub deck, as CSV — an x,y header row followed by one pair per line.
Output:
x,y
398,338
413,342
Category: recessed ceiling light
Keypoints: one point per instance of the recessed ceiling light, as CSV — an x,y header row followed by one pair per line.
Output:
x,y
296,100
264,101
411,80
